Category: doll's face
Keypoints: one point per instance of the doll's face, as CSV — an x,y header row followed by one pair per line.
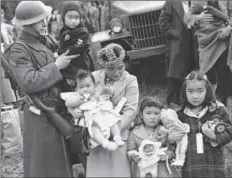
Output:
x,y
167,122
72,19
149,149
216,120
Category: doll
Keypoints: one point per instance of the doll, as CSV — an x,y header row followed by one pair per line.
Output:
x,y
150,153
171,122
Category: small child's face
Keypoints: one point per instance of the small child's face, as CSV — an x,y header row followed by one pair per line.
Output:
x,y
86,86
151,116
195,92
72,19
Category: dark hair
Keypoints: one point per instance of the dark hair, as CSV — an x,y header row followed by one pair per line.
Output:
x,y
196,75
55,9
147,102
50,23
83,74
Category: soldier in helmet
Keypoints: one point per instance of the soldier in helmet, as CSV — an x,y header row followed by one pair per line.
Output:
x,y
38,73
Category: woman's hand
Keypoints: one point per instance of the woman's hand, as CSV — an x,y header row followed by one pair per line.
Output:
x,y
63,60
203,17
224,32
208,132
134,156
162,157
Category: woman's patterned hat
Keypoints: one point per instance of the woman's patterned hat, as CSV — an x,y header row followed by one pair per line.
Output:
x,y
110,55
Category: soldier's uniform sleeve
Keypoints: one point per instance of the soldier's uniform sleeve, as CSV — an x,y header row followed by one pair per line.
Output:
x,y
32,80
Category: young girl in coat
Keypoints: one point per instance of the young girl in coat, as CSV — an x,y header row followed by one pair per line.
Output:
x,y
204,157
148,129
74,37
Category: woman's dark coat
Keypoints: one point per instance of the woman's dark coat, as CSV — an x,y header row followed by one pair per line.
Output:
x,y
45,153
171,22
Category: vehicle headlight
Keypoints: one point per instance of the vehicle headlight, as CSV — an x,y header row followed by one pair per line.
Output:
x,y
116,25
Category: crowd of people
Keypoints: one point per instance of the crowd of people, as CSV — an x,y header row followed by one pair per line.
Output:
x,y
133,140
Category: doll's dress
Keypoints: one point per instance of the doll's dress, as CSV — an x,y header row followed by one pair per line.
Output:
x,y
149,164
101,113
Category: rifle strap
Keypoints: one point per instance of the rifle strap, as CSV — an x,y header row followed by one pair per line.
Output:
x,y
35,65
32,57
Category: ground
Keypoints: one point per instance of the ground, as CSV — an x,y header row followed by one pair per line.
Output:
x,y
12,166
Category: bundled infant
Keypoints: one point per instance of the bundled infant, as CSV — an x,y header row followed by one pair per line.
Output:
x,y
90,106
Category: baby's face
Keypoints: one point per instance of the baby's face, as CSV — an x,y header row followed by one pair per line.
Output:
x,y
86,86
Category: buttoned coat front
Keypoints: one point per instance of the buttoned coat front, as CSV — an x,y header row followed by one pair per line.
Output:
x,y
45,153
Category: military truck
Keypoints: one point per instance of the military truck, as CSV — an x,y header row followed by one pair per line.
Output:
x,y
134,25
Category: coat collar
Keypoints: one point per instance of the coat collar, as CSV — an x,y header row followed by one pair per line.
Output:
x,y
35,41
179,8
141,132
119,85
30,37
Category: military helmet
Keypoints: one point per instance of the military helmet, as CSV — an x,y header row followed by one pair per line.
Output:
x,y
30,12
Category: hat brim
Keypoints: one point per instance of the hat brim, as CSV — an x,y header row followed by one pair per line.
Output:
x,y
18,22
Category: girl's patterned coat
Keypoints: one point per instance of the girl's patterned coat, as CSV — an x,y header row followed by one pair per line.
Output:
x,y
210,164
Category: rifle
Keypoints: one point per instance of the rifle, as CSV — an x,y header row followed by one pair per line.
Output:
x,y
76,136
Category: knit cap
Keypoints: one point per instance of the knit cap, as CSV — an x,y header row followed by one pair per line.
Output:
x,y
68,6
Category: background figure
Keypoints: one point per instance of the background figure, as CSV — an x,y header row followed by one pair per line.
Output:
x,y
7,93
104,14
212,34
96,13
178,43
53,27
87,20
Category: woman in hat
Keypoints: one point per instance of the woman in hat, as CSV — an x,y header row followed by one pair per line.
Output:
x,y
38,73
113,59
